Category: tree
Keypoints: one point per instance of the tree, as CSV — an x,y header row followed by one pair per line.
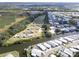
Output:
x,y
57,31
48,34
77,54
72,22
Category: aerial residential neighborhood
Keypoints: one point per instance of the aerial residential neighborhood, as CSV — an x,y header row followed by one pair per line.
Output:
x,y
39,29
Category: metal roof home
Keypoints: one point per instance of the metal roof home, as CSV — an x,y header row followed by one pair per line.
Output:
x,y
72,28
76,47
52,42
63,40
68,51
42,47
57,41
74,50
69,39
75,36
47,45
37,52
62,54
72,37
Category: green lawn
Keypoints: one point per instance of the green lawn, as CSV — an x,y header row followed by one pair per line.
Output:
x,y
14,53
6,20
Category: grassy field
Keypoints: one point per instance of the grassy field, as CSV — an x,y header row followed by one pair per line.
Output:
x,y
6,20
14,53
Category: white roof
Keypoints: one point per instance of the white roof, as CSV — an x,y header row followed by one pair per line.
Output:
x,y
52,55
75,36
42,47
33,54
53,42
29,35
68,51
77,46
72,37
36,52
47,45
63,54
69,39
74,50
57,41
62,39
52,27
73,27
66,29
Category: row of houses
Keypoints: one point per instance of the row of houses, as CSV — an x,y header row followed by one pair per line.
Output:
x,y
68,13
61,22
68,52
62,41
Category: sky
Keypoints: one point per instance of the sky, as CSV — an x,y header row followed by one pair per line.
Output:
x,y
39,0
